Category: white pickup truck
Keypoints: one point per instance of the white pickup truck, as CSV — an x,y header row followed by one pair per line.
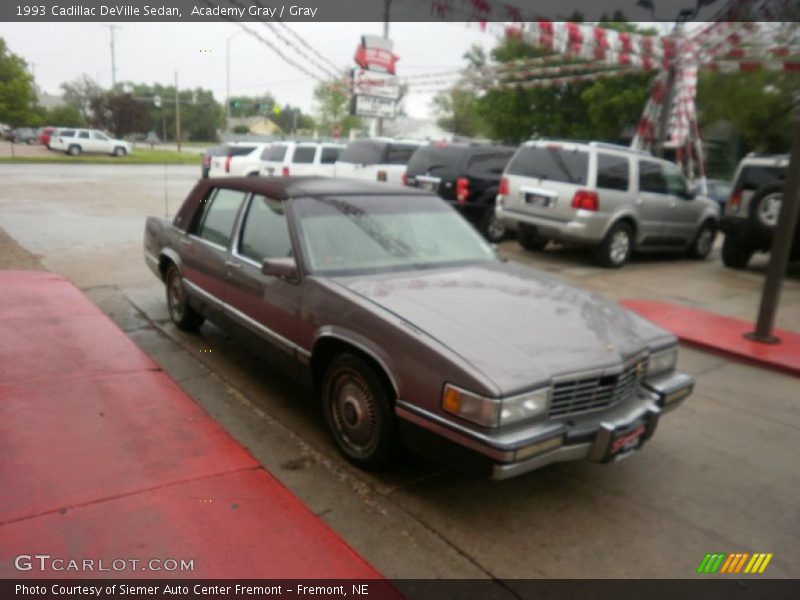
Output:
x,y
376,159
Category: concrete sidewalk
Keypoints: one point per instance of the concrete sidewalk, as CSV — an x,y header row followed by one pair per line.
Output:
x,y
103,457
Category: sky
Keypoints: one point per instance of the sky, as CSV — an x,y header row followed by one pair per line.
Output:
x,y
153,52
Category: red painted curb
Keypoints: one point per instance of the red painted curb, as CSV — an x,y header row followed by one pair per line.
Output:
x,y
103,456
722,334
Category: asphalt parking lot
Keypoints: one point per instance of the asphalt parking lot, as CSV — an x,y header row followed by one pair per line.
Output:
x,y
720,475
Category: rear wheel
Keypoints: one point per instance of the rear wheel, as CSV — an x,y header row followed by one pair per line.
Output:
x,y
704,241
356,407
529,239
493,228
765,208
616,248
74,150
181,313
735,254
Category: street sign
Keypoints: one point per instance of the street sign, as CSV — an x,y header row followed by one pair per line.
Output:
x,y
373,83
373,106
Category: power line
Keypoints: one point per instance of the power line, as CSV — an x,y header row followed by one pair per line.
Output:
x,y
277,51
289,43
307,45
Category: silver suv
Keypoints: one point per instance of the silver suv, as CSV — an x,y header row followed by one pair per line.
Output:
x,y
609,197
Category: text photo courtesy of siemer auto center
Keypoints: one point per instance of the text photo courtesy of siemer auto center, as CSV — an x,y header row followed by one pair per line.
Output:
x,y
400,299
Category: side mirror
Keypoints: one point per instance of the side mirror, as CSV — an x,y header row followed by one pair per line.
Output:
x,y
285,268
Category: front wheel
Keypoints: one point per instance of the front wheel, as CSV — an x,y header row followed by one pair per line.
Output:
x,y
703,242
181,313
616,247
356,407
119,152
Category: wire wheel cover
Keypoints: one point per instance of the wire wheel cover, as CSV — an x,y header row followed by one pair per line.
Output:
x,y
353,411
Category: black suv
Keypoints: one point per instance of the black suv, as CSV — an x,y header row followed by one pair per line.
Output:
x,y
467,176
752,211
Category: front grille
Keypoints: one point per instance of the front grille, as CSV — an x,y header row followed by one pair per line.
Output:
x,y
586,394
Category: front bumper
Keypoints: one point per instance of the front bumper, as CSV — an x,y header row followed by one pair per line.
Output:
x,y
582,437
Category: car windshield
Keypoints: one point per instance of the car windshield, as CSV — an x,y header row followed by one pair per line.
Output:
x,y
361,234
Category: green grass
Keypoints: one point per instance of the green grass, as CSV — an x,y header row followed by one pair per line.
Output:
x,y
139,156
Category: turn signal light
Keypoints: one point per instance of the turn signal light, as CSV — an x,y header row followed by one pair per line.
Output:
x,y
585,200
736,200
462,190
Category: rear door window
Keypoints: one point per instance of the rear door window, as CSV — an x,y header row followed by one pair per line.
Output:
x,y
439,161
276,152
240,150
84,135
553,163
613,172
330,155
304,154
67,133
218,213
755,177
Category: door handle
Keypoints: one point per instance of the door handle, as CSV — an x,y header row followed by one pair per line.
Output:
x,y
233,265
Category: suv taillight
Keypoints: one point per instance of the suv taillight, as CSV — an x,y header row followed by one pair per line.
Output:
x,y
585,200
736,200
381,175
285,171
462,190
503,189
228,163
404,178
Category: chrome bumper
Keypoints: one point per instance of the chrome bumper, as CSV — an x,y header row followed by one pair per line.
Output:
x,y
587,437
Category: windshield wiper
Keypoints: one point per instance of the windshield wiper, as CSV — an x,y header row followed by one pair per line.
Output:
x,y
563,165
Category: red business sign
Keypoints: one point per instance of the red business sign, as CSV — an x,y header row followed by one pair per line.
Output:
x,y
371,58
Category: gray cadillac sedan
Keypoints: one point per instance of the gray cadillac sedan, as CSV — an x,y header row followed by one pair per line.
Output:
x,y
410,326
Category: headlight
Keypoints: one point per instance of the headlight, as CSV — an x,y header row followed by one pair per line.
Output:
x,y
490,412
524,406
663,361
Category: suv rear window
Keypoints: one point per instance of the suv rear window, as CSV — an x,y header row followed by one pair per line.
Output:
x,y
276,152
365,152
436,160
400,154
67,133
757,176
553,163
488,165
240,150
613,172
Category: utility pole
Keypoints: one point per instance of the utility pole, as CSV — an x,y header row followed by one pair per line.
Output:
x,y
781,245
177,114
386,6
111,28
228,80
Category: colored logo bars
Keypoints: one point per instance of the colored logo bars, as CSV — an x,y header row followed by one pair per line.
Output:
x,y
734,563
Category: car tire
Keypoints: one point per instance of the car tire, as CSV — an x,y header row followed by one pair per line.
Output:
x,y
735,253
493,228
704,241
616,248
119,152
181,313
356,406
765,208
74,150
529,239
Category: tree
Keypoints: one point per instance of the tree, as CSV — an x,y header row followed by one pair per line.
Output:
x,y
119,113
65,116
80,92
457,109
333,107
17,92
201,115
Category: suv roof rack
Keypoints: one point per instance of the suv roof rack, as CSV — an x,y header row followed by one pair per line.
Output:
x,y
595,144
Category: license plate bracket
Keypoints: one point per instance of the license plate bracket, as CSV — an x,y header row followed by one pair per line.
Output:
x,y
539,200
624,441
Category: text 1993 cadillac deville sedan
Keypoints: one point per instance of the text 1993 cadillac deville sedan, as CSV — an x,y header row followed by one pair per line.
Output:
x,y
411,328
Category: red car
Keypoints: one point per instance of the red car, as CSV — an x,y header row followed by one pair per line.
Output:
x,y
44,135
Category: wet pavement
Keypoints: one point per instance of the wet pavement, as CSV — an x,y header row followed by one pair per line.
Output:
x,y
720,475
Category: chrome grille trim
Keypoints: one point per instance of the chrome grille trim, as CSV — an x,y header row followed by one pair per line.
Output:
x,y
583,394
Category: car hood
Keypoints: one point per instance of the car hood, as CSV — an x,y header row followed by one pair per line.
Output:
x,y
515,325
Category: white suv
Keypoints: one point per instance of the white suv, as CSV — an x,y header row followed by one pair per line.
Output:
x,y
377,159
301,158
609,197
78,141
237,159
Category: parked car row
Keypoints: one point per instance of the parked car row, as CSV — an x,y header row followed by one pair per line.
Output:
x,y
72,141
